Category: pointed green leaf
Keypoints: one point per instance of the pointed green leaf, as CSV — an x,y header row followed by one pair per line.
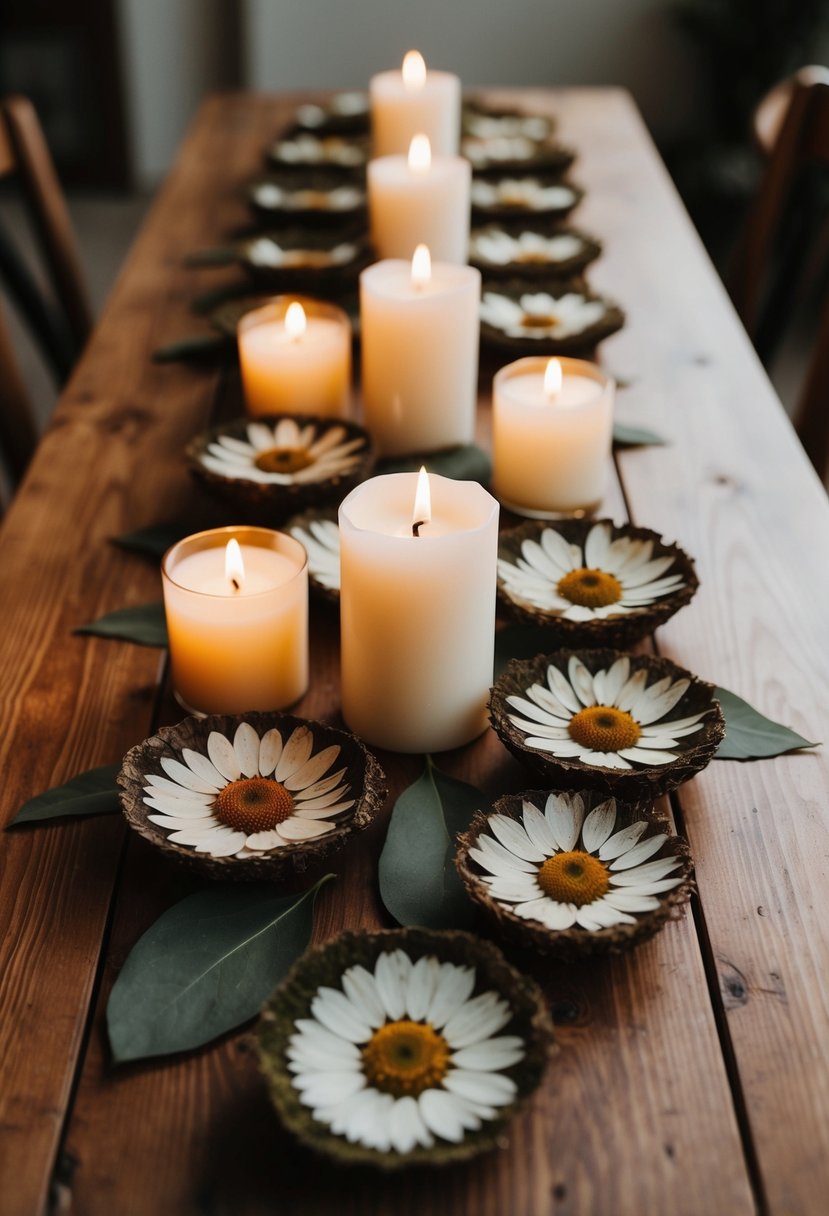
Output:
x,y
419,884
143,624
199,346
466,463
153,541
206,966
635,436
90,793
749,735
522,642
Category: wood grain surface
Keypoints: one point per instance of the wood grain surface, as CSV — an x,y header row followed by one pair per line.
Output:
x,y
692,1074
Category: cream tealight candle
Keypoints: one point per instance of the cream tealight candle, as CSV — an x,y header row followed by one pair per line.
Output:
x,y
552,428
417,611
420,200
413,100
419,327
295,357
236,602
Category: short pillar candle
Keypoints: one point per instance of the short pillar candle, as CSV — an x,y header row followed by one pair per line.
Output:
x,y
418,199
419,327
552,429
236,603
295,357
417,611
413,100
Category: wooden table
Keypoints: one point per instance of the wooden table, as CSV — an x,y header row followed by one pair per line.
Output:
x,y
694,1074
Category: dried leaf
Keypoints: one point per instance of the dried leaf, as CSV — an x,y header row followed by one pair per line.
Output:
x,y
749,735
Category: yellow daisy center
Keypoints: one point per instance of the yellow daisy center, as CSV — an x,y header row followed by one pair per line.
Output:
x,y
405,1058
574,878
253,804
603,728
283,460
590,588
539,320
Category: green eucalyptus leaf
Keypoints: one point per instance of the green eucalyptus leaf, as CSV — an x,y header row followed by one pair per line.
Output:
x,y
522,642
636,436
419,884
199,346
749,735
142,623
91,793
153,541
206,966
465,463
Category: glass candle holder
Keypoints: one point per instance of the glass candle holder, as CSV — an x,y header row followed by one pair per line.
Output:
x,y
237,620
551,447
295,357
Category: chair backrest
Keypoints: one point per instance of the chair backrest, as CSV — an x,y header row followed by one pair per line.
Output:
x,y
792,126
18,431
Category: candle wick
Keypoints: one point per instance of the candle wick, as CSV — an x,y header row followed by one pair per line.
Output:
x,y
417,526
237,586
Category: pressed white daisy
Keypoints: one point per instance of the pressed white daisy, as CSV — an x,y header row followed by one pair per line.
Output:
x,y
321,540
249,796
285,453
609,719
485,126
603,578
404,1055
350,104
305,149
564,868
341,198
265,251
494,148
540,315
501,248
523,192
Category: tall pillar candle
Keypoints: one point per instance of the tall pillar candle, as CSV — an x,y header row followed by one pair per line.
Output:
x,y
552,429
419,328
419,200
295,357
411,101
417,612
236,603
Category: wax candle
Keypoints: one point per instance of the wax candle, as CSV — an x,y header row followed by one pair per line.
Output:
x,y
552,427
420,200
419,326
236,602
413,100
295,357
417,612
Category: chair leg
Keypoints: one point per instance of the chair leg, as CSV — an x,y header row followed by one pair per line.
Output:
x,y
813,412
18,433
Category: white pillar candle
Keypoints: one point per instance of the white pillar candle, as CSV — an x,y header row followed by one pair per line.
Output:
x,y
417,612
419,200
419,329
551,441
295,357
236,602
413,100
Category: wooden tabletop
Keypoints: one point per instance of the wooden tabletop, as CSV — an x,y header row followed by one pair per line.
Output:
x,y
693,1076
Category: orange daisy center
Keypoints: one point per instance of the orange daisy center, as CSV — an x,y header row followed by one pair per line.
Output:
x,y
590,588
574,878
283,460
253,804
405,1057
604,728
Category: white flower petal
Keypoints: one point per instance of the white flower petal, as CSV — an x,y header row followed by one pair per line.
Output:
x,y
598,825
179,823
513,837
596,547
423,981
307,1058
336,1013
651,871
321,801
164,787
564,815
537,828
654,707
295,753
603,759
319,787
454,988
202,767
297,828
305,811
536,714
260,436
479,1018
186,778
539,731
360,988
549,701
622,841
493,1088
405,1125
644,755
246,747
547,912
220,750
270,749
636,901
441,1113
491,1055
581,681
313,768
263,842
311,1034
560,687
565,748
391,975
639,852
497,853
179,807
316,1088
615,679
222,845
513,890
564,555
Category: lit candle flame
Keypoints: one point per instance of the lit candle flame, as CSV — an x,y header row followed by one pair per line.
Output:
x,y
552,379
234,566
295,320
420,154
423,502
421,266
414,70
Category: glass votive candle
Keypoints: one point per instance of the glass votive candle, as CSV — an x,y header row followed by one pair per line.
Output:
x,y
295,357
236,602
552,430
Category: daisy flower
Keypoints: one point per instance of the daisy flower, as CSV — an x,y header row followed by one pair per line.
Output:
x,y
501,248
563,868
495,148
308,149
611,719
485,126
540,315
249,796
341,198
604,578
526,192
403,1055
322,544
264,251
285,453
351,104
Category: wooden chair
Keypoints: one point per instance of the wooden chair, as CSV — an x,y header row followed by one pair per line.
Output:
x,y
793,124
61,333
